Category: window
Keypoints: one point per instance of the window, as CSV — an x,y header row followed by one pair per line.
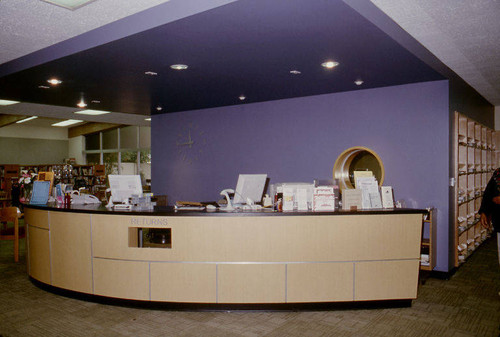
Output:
x,y
93,158
128,137
125,150
110,139
92,142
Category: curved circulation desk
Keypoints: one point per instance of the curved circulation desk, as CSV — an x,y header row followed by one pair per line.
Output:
x,y
253,260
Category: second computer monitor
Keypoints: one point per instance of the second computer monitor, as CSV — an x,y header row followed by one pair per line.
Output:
x,y
249,186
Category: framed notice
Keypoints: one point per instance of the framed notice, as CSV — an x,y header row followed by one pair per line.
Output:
x,y
47,176
352,199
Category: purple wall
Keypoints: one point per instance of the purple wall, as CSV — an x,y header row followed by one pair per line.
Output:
x,y
299,140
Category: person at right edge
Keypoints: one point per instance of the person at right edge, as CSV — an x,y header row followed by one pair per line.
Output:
x,y
490,207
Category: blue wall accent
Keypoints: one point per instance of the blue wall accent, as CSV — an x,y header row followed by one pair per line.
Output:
x,y
299,140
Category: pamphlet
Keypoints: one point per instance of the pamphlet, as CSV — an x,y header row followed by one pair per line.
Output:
x,y
59,194
361,174
370,193
387,197
288,198
301,195
323,199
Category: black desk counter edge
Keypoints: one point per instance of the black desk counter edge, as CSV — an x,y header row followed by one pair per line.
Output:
x,y
170,211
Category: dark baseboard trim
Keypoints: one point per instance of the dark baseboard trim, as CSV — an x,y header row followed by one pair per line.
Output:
x,y
174,306
443,275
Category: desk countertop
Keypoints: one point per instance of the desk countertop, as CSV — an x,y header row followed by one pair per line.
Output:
x,y
170,211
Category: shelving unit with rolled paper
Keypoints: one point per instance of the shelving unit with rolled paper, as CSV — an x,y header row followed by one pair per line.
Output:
x,y
475,160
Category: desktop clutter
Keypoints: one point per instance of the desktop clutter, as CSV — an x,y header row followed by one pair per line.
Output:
x,y
320,195
125,193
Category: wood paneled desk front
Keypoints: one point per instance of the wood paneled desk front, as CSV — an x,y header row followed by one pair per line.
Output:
x,y
212,258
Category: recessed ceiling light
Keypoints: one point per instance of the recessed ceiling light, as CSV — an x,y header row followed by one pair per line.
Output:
x,y
147,119
26,119
329,64
69,4
7,102
242,98
54,81
92,112
159,108
150,73
67,122
295,72
43,87
358,82
81,104
179,66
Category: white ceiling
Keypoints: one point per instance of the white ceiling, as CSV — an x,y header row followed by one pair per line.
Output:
x,y
30,25
464,35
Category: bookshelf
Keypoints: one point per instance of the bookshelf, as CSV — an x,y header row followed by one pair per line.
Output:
x,y
87,176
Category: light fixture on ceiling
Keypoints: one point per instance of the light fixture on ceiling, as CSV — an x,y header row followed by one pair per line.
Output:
x,y
150,73
69,4
26,119
295,72
179,66
67,122
7,102
358,82
329,64
148,119
54,81
92,112
43,87
159,108
95,101
242,97
81,104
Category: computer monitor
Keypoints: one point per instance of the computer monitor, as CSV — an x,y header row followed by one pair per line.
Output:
x,y
124,186
249,186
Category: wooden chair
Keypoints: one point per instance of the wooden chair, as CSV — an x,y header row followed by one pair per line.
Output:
x,y
10,215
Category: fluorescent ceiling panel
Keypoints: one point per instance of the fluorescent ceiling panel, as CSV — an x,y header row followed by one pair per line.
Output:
x,y
7,102
69,4
67,122
92,112
26,119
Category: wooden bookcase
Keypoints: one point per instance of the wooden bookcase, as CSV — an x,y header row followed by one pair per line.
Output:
x,y
475,158
428,246
89,175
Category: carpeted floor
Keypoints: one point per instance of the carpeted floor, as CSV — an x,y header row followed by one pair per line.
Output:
x,y
466,305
